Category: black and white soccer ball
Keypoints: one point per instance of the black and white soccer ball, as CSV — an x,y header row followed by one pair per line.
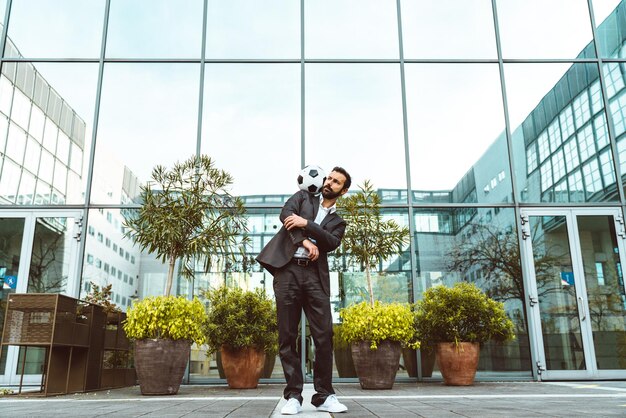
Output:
x,y
311,179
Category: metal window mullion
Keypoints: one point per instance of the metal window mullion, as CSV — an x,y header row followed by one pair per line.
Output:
x,y
607,109
5,30
201,86
94,133
407,155
303,351
302,88
516,198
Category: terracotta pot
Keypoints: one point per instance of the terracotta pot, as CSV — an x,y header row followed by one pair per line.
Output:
x,y
242,367
161,365
376,368
458,363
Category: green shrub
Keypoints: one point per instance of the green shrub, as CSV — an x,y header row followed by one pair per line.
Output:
x,y
383,321
170,317
238,319
462,313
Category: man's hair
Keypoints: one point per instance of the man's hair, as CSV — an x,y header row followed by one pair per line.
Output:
x,y
343,171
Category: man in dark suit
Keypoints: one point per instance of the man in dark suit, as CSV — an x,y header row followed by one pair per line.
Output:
x,y
297,258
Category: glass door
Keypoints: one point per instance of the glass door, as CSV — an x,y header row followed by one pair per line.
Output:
x,y
575,291
38,254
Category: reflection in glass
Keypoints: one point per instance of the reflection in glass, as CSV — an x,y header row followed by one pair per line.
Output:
x,y
478,245
545,29
253,29
561,147
11,235
50,256
604,281
48,130
35,27
391,282
351,29
554,275
465,161
148,116
611,27
112,259
136,29
251,121
354,119
448,29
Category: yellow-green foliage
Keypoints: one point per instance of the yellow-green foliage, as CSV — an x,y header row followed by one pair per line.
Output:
x,y
383,321
462,313
170,317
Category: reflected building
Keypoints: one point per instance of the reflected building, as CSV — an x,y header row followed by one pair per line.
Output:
x,y
42,149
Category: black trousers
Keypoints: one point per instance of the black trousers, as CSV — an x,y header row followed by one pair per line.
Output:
x,y
298,287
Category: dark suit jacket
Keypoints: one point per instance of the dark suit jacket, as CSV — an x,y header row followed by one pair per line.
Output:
x,y
279,251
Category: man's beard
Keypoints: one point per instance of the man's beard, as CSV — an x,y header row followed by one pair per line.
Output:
x,y
329,194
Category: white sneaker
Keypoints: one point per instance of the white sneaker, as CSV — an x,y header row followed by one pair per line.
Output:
x,y
292,407
332,404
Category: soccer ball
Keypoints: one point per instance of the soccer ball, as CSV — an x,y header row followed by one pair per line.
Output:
x,y
311,179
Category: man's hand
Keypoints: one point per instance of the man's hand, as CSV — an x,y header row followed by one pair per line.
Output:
x,y
295,221
314,252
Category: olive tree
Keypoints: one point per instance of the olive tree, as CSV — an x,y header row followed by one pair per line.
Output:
x,y
187,213
369,239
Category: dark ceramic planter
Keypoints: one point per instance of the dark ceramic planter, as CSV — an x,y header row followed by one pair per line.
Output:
x,y
376,368
160,365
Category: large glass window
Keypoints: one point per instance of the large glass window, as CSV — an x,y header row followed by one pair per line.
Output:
x,y
148,116
478,245
608,15
136,29
456,147
550,111
354,119
251,125
55,29
545,28
351,29
253,29
448,29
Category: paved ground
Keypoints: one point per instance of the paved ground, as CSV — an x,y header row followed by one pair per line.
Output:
x,y
487,399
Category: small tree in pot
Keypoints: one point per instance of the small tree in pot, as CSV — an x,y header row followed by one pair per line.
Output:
x,y
242,326
187,215
375,330
456,320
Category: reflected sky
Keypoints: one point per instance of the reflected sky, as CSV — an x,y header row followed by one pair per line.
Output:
x,y
253,29
57,29
136,29
543,28
448,29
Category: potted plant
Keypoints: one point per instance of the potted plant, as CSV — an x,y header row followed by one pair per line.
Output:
x,y
164,327
375,330
376,334
187,215
456,320
242,326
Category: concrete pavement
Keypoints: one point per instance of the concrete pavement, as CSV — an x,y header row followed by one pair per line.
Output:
x,y
485,399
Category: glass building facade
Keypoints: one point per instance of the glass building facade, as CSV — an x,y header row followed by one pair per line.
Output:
x,y
495,130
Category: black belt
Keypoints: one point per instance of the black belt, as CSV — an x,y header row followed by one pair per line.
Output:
x,y
302,262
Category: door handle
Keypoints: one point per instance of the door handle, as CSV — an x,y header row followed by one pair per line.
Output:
x,y
581,305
